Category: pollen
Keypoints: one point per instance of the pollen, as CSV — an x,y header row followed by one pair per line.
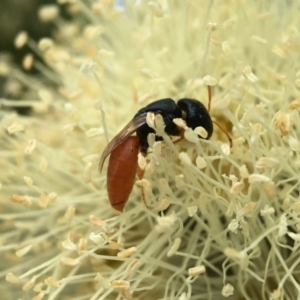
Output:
x,y
267,210
15,127
28,180
133,266
191,136
234,225
99,238
39,296
237,187
142,162
50,281
21,39
25,200
11,278
259,39
244,171
68,261
82,244
115,245
98,222
201,131
164,204
29,284
184,158
68,245
295,104
200,162
192,210
30,146
165,224
23,251
276,294
227,290
196,271
70,213
294,236
267,162
180,123
294,144
174,247
258,178
48,13
211,26
226,48
27,62
45,43
94,132
127,252
283,122
209,80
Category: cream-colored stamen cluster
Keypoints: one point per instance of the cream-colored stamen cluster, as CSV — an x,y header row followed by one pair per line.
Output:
x,y
222,222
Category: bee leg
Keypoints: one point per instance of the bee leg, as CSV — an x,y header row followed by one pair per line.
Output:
x,y
140,174
181,134
144,198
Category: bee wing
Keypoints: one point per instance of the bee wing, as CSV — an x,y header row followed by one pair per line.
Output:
x,y
127,131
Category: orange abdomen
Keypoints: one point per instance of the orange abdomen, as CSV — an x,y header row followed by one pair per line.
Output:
x,y
121,172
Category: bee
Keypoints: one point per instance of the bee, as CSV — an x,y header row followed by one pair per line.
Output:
x,y
124,147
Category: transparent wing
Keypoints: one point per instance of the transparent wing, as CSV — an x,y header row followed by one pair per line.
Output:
x,y
127,131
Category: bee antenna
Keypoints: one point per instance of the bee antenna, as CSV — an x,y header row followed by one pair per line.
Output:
x,y
225,132
209,97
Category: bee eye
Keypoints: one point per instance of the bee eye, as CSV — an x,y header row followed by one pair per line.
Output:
x,y
195,114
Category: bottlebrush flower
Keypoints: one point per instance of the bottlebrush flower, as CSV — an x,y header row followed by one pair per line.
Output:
x,y
222,221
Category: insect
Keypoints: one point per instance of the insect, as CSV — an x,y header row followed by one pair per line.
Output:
x,y
124,148
121,171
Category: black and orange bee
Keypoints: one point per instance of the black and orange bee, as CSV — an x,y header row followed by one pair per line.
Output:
x,y
124,147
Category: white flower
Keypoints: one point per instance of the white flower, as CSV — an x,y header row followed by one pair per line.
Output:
x,y
230,212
